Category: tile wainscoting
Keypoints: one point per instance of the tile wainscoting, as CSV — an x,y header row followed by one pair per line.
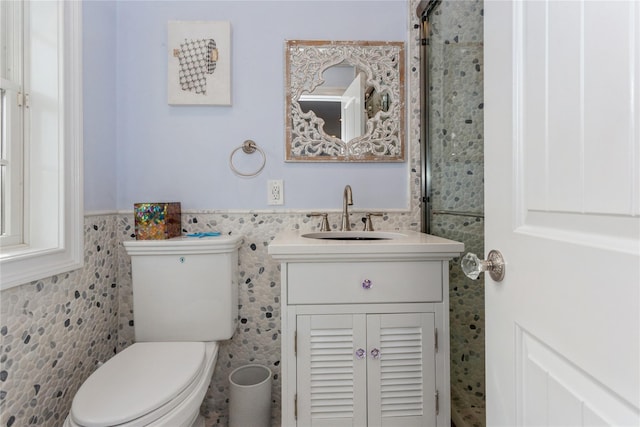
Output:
x,y
55,332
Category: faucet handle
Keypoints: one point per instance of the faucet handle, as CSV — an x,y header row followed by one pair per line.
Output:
x,y
324,223
368,224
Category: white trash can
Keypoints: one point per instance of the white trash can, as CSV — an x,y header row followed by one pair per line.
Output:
x,y
250,397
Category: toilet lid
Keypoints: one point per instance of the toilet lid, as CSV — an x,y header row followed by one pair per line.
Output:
x,y
137,381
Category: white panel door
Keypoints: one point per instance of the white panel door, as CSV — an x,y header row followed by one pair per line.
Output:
x,y
562,195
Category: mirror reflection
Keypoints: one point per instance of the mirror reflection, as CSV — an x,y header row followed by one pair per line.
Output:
x,y
345,101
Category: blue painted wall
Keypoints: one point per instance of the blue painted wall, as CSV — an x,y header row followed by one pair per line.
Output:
x,y
139,148
99,100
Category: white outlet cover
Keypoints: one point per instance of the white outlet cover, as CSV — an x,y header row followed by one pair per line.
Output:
x,y
275,192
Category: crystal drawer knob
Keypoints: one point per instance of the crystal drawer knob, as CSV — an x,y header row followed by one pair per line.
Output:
x,y
366,284
472,266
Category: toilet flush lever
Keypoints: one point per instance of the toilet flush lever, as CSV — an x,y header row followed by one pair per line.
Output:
x,y
472,266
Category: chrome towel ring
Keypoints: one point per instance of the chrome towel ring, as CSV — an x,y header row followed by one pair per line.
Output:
x,y
248,147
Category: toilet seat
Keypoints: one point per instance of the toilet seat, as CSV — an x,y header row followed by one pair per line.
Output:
x,y
140,384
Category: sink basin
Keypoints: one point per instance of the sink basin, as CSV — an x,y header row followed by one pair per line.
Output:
x,y
354,235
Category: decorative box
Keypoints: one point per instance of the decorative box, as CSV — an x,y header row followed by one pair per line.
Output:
x,y
157,221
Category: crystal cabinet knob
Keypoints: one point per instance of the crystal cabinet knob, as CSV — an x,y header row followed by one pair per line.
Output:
x,y
472,266
375,353
360,353
366,284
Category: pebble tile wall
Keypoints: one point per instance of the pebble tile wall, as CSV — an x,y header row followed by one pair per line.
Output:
x,y
457,145
466,322
54,332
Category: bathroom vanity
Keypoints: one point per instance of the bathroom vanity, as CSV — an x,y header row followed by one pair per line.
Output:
x,y
365,328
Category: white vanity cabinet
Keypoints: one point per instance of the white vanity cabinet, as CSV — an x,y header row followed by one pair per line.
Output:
x,y
365,330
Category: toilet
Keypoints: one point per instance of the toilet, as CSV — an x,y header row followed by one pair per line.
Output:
x,y
185,300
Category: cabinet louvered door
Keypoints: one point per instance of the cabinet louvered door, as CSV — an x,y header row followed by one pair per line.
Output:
x,y
401,376
331,379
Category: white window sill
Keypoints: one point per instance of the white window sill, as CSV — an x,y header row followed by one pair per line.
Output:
x,y
24,265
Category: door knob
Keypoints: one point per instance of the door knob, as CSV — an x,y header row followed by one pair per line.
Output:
x,y
472,266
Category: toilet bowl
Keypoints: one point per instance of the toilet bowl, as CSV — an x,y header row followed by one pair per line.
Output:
x,y
147,384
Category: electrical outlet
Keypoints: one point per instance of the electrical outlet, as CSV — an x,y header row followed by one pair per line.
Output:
x,y
275,192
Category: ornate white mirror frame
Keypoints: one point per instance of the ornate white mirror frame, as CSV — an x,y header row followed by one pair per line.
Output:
x,y
369,124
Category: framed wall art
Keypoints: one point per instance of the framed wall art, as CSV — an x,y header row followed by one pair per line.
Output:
x,y
199,63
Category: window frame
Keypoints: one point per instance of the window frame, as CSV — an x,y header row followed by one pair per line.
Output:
x,y
53,223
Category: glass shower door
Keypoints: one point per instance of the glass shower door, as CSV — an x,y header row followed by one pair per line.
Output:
x,y
454,133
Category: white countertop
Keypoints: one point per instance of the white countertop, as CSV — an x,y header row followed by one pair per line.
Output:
x,y
292,246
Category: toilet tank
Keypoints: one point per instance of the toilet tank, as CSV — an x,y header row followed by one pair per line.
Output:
x,y
185,288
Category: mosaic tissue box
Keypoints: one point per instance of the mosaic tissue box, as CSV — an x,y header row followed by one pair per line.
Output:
x,y
157,221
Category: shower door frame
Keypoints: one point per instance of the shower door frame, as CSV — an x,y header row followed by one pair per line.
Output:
x,y
424,10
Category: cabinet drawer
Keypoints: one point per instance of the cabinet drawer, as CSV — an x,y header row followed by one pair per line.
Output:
x,y
348,283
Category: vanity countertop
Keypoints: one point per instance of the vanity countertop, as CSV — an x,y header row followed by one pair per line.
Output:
x,y
292,245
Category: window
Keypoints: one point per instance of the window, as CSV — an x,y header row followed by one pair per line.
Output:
x,y
41,146
11,124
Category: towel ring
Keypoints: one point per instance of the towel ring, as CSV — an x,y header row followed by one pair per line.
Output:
x,y
249,147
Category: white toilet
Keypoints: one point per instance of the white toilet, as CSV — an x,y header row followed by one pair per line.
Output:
x,y
185,299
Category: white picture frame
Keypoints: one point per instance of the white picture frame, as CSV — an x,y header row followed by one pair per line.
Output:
x,y
199,63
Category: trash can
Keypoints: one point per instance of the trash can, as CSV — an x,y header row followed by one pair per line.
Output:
x,y
250,397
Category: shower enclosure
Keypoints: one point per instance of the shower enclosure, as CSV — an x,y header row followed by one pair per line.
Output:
x,y
452,161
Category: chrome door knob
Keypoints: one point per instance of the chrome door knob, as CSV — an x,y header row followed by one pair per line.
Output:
x,y
472,266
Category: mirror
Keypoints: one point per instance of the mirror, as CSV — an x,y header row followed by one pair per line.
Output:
x,y
344,101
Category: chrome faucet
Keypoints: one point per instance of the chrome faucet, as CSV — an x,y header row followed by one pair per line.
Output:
x,y
347,199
